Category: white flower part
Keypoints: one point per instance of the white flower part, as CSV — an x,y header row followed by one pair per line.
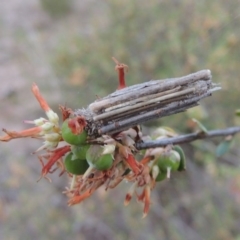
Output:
x,y
155,171
51,144
47,126
132,133
52,116
107,140
128,141
48,145
160,132
127,138
40,121
155,152
52,137
164,131
175,155
108,149
168,172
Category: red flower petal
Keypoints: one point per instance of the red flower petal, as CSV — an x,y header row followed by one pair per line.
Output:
x,y
39,97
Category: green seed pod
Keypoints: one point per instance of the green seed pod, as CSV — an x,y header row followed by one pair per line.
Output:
x,y
182,165
75,165
80,151
104,162
157,174
97,159
71,138
169,162
161,176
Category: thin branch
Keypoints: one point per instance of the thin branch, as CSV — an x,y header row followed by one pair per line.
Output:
x,y
188,138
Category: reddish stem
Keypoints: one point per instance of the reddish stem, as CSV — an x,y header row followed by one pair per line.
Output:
x,y
147,193
57,154
121,68
43,103
80,198
146,160
134,165
30,132
121,78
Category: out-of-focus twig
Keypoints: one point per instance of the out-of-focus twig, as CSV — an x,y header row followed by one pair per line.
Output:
x,y
188,138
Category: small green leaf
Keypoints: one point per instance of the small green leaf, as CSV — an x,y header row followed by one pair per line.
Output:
x,y
223,147
237,112
200,125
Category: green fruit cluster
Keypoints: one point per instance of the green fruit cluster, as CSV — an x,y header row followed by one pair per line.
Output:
x,y
83,156
75,162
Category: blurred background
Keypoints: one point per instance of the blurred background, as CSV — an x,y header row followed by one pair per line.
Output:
x,y
65,46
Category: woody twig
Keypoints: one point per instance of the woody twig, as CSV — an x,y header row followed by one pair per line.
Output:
x,y
150,100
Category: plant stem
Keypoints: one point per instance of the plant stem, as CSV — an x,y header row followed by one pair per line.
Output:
x,y
188,138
